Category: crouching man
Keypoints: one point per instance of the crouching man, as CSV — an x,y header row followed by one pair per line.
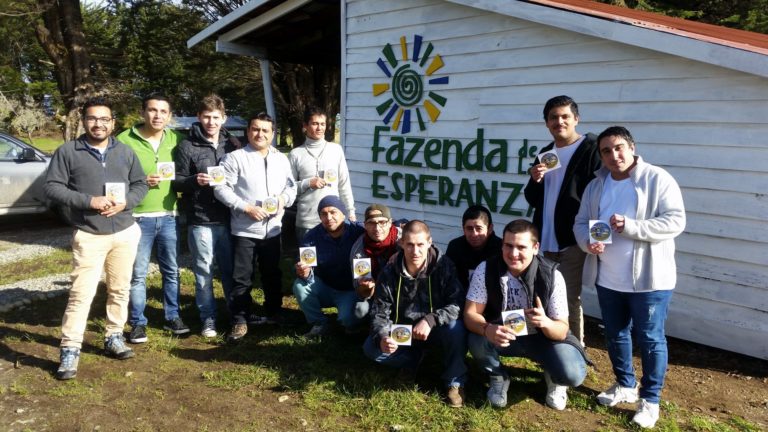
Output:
x,y
419,288
520,279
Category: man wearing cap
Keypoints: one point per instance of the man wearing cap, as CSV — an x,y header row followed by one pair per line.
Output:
x,y
379,243
329,284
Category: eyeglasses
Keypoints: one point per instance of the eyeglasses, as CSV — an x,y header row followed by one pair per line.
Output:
x,y
380,224
97,120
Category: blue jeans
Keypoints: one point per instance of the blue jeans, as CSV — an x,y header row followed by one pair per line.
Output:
x,y
161,231
562,361
314,294
640,315
452,337
205,243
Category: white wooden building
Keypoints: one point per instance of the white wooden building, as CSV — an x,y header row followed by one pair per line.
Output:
x,y
437,77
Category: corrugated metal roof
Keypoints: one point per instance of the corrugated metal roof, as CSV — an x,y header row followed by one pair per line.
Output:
x,y
750,41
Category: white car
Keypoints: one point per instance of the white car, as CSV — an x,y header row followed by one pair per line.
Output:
x,y
22,175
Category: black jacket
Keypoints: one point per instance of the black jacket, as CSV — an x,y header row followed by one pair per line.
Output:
x,y
579,172
194,155
465,258
433,295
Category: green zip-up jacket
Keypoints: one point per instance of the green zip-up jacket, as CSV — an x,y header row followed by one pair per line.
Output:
x,y
161,197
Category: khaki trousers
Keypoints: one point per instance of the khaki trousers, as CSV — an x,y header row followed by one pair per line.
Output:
x,y
92,253
571,260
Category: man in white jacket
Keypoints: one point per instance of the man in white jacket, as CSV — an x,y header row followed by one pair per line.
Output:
x,y
259,185
320,169
635,273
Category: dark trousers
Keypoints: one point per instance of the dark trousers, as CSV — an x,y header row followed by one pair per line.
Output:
x,y
247,253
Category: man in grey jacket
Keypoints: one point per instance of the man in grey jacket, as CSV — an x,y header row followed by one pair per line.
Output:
x,y
259,185
634,274
100,180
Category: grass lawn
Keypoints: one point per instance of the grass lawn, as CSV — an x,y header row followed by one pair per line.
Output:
x,y
275,380
46,144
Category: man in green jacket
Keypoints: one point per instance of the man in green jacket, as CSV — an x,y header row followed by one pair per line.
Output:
x,y
155,146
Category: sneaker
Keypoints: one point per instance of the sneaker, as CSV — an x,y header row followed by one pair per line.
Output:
x,y
317,331
238,332
176,326
557,395
254,319
647,414
115,346
209,328
497,393
69,358
455,396
618,394
138,334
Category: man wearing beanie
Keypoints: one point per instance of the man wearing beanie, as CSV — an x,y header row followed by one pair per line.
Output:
x,y
329,284
379,243
320,169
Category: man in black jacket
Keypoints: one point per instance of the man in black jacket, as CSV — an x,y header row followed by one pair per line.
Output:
x,y
208,219
477,244
530,289
100,180
555,195
419,288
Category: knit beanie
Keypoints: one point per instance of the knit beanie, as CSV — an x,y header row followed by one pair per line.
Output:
x,y
332,201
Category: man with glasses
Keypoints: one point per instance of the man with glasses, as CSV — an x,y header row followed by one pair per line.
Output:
x,y
259,185
379,243
155,145
100,180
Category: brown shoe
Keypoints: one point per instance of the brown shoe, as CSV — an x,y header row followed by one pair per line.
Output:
x,y
455,396
237,332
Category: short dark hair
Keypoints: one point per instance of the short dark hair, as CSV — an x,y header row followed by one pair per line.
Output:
x,y
314,111
155,96
262,116
559,101
616,131
477,212
95,101
416,226
518,226
212,102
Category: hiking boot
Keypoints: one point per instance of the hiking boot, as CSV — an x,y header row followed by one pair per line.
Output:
x,y
69,358
317,331
618,394
557,395
176,326
497,391
138,334
455,396
647,414
209,328
238,332
115,346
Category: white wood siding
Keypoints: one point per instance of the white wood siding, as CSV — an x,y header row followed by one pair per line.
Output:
x,y
705,124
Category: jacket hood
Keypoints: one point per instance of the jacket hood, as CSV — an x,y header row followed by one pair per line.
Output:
x,y
197,136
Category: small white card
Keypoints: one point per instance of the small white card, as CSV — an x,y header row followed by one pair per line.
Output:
x,y
330,175
550,159
599,231
402,334
217,175
515,320
361,267
308,256
115,192
270,204
166,170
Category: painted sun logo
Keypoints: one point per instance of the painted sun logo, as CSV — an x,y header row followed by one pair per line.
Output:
x,y
407,85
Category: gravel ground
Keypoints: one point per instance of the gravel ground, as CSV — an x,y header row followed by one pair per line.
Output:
x,y
28,243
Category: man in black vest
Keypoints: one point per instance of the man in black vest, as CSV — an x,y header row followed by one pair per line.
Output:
x,y
520,280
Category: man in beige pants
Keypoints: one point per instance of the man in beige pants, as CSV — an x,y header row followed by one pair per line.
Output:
x,y
99,180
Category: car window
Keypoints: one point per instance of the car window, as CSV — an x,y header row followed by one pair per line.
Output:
x,y
9,150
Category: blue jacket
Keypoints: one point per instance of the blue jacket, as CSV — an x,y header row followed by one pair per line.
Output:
x,y
333,265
